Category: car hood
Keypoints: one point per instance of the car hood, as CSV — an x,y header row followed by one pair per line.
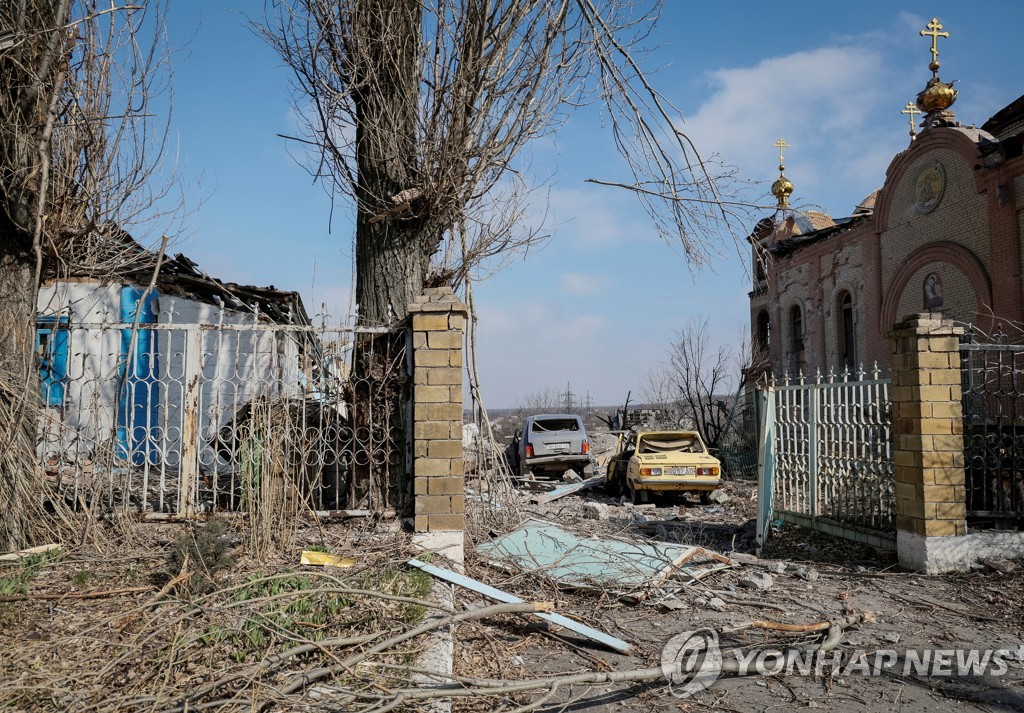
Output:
x,y
655,459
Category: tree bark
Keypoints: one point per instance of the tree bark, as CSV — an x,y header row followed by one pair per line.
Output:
x,y
391,255
20,486
29,81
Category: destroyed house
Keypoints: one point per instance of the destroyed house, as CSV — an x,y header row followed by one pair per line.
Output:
x,y
152,374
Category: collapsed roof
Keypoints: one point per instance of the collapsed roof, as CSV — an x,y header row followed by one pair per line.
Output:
x,y
115,255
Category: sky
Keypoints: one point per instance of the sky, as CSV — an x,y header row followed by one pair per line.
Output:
x,y
600,305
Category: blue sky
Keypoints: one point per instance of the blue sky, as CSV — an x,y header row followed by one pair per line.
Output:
x,y
600,304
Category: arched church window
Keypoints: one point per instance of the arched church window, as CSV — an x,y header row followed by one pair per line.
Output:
x,y
763,335
796,335
846,345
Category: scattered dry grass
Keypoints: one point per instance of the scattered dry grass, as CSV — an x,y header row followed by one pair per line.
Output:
x,y
150,641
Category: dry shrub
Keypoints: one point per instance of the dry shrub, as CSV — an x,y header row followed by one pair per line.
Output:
x,y
202,550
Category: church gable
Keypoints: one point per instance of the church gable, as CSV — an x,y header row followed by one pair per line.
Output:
x,y
944,234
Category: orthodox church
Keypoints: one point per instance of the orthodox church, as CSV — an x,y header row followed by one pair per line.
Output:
x,y
943,234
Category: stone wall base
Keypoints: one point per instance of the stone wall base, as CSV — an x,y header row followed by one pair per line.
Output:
x,y
936,555
448,543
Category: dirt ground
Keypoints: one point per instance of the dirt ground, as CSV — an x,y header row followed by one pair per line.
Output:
x,y
911,613
141,646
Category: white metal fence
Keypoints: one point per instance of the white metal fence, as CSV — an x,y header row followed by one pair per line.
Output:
x,y
826,453
186,418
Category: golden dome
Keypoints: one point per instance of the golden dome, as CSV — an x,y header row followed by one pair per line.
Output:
x,y
782,189
936,96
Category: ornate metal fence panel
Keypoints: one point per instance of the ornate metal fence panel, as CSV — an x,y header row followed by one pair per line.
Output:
x,y
182,419
992,380
829,443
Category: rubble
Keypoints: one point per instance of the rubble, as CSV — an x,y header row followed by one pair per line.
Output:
x,y
808,574
595,511
672,605
999,565
571,476
719,497
760,581
563,490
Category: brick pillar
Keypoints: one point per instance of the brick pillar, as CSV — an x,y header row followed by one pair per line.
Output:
x,y
438,321
928,449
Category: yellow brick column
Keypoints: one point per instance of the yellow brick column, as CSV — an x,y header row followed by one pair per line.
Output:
x,y
438,323
928,448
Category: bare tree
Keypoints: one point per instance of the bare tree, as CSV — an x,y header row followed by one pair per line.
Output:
x,y
545,400
418,113
659,391
418,110
78,152
706,380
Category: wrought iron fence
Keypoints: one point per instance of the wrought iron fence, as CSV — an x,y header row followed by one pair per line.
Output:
x,y
828,449
992,380
190,418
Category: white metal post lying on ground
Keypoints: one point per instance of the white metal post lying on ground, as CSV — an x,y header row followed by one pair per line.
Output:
x,y
498,595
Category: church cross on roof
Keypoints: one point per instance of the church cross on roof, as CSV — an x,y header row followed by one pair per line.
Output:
x,y
934,26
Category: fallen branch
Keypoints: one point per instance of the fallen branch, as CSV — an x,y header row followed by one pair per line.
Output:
x,y
724,596
272,661
308,677
466,687
21,554
777,626
75,595
924,599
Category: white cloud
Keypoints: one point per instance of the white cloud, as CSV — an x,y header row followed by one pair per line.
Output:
x,y
822,101
597,217
532,345
581,285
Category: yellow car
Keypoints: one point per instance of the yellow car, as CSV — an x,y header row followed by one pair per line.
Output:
x,y
648,462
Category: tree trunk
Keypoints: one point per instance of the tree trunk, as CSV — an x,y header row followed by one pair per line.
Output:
x,y
20,476
392,255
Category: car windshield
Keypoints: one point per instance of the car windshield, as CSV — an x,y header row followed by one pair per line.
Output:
x,y
670,443
555,424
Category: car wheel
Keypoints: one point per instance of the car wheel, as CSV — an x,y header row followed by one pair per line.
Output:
x,y
612,487
637,496
705,497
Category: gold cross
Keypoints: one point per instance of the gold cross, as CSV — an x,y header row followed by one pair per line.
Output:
x,y
934,26
780,145
911,109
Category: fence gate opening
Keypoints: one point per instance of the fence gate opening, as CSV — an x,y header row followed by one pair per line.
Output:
x,y
825,456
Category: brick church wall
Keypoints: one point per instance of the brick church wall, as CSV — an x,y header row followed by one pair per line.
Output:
x,y
971,239
961,218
